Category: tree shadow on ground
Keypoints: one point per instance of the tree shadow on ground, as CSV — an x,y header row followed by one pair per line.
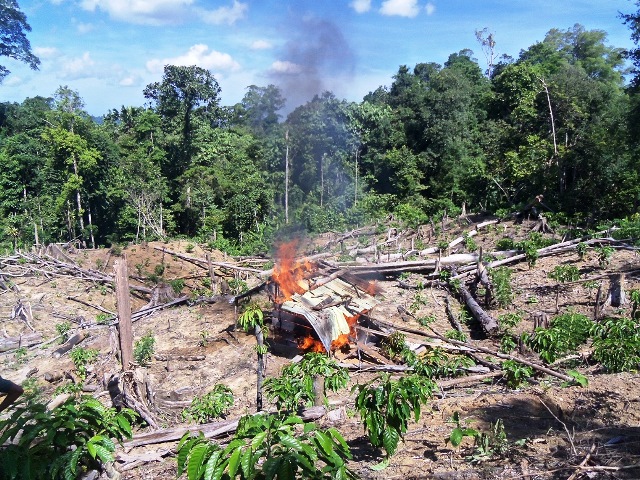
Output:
x,y
558,440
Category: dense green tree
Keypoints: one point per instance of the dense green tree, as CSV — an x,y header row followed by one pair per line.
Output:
x,y
13,38
185,96
258,110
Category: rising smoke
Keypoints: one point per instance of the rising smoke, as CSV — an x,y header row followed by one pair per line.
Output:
x,y
315,58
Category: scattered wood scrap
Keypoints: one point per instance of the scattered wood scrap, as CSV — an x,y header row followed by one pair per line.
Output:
x,y
210,430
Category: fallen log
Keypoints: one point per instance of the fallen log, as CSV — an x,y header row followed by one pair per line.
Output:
x,y
489,324
13,343
477,348
69,344
210,430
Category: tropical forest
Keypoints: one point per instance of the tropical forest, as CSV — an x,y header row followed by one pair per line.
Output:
x,y
440,280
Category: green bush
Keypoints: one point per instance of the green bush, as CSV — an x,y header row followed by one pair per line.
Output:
x,y
267,446
63,443
565,333
386,406
502,290
616,344
143,349
294,387
214,404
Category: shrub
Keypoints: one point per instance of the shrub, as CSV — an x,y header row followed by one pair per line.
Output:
x,y
502,290
386,406
82,357
267,446
143,349
214,404
565,333
40,449
616,344
295,386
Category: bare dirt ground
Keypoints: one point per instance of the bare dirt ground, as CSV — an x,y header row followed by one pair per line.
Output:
x,y
554,431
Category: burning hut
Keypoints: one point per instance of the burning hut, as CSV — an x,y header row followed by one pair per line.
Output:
x,y
316,304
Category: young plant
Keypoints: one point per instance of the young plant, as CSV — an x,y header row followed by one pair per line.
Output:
x,y
63,330
386,406
62,443
502,289
295,386
516,373
616,344
459,433
581,250
604,255
490,444
456,335
565,333
267,446
563,274
81,358
143,349
214,404
393,345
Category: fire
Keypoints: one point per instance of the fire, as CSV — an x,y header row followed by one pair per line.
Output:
x,y
343,339
289,272
310,344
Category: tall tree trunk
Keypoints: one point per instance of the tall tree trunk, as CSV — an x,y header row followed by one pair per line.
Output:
x,y
355,190
93,240
286,179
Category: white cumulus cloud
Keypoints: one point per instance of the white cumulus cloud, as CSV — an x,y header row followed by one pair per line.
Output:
x,y
261,45
401,8
148,12
430,8
228,15
197,55
361,6
45,53
76,68
290,68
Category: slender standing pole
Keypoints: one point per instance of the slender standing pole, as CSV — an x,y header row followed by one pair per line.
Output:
x,y
286,179
123,304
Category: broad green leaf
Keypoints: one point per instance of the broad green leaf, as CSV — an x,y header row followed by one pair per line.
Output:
x,y
456,437
196,461
234,462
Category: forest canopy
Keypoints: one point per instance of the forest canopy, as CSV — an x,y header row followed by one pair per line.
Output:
x,y
560,120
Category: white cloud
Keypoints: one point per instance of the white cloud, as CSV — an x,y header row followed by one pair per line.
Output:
x,y
84,27
430,8
361,6
129,81
45,53
285,67
401,8
197,55
228,15
149,12
12,81
76,68
261,45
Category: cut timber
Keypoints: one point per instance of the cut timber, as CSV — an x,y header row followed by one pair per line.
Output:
x,y
12,343
489,324
210,430
69,344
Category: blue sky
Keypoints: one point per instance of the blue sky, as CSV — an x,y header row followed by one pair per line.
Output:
x,y
109,50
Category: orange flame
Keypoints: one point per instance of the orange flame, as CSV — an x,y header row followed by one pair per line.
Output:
x,y
310,344
343,339
288,272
